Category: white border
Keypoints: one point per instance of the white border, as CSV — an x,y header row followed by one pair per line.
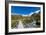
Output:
x,y
28,29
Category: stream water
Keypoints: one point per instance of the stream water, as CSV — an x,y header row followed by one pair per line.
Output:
x,y
20,25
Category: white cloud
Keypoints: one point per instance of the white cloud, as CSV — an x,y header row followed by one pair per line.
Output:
x,y
24,15
31,13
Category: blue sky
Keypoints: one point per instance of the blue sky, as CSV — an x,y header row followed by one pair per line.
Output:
x,y
23,9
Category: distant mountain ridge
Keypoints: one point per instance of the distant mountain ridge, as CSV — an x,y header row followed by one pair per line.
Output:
x,y
27,14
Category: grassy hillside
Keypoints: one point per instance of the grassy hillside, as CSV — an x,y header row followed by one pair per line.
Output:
x,y
25,20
